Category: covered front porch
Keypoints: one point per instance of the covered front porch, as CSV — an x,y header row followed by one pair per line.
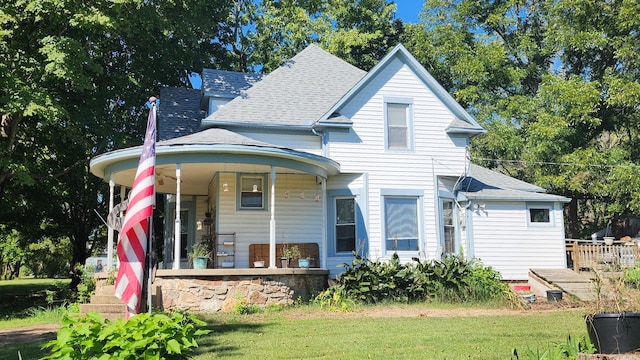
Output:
x,y
233,193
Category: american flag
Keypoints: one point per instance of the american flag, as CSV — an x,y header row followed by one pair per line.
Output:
x,y
132,245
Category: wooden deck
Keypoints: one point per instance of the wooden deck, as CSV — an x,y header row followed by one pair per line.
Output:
x,y
570,282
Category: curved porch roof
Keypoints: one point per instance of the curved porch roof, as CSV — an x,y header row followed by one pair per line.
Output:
x,y
205,153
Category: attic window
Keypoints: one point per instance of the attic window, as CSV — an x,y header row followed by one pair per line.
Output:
x,y
398,122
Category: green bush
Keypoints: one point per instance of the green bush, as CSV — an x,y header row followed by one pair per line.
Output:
x,y
143,336
61,293
450,279
631,277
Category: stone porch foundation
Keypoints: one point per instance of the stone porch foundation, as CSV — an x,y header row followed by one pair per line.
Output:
x,y
211,290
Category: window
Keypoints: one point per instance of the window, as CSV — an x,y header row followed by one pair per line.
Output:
x,y
251,192
397,126
345,225
401,223
539,215
448,227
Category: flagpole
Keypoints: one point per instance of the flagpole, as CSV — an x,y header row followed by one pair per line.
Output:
x,y
150,264
152,100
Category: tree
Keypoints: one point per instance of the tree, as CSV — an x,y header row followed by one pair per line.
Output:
x,y
73,80
556,84
268,32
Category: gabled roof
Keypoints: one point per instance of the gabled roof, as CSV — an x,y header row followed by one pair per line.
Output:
x,y
295,95
484,184
179,112
471,126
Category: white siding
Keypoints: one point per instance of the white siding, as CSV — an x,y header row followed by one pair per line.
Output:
x,y
504,240
297,220
362,150
301,142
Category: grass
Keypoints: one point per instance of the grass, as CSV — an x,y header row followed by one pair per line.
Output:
x,y
308,332
22,302
450,337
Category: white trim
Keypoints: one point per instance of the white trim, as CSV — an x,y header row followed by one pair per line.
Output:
x,y
541,206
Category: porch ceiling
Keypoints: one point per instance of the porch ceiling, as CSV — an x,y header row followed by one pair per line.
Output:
x,y
199,164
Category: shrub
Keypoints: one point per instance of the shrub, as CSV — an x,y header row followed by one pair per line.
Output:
x,y
143,336
450,279
631,277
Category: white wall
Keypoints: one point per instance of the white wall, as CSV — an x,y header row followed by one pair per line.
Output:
x,y
362,150
297,220
297,141
504,240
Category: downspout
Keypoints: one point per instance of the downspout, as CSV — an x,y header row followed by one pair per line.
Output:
x,y
325,153
325,150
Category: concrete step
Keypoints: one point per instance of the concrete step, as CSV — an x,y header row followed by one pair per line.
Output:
x,y
105,299
103,308
106,290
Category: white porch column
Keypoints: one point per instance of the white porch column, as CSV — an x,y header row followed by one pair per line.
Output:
x,y
177,230
323,253
109,228
272,223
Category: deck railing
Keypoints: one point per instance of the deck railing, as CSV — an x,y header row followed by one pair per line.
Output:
x,y
585,255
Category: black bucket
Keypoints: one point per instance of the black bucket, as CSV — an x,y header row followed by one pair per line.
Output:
x,y
614,333
554,295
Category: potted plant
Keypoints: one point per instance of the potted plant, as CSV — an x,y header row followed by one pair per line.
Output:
x,y
199,255
614,325
289,253
304,262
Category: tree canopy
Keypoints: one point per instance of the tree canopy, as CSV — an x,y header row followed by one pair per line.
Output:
x,y
555,83
75,75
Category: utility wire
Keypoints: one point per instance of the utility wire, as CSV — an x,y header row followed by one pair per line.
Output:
x,y
557,163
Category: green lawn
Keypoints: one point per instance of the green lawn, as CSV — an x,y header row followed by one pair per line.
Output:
x,y
450,337
311,333
22,302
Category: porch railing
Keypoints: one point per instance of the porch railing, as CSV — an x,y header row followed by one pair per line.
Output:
x,y
583,254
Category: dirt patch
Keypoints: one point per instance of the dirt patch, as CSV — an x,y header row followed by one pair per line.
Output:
x,y
419,310
28,334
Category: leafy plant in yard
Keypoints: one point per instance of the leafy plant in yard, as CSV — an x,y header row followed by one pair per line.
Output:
x,y
143,336
63,294
631,277
567,350
335,300
450,279
244,308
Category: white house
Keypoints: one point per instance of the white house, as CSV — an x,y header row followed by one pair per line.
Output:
x,y
321,153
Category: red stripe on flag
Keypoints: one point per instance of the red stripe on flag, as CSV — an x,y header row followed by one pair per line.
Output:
x,y
132,244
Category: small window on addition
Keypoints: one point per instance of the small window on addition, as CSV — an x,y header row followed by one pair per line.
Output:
x,y
539,215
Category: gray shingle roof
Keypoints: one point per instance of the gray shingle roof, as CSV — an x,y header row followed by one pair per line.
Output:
x,y
482,183
229,83
297,93
179,112
215,136
461,126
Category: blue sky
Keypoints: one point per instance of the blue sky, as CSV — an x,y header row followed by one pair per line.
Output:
x,y
408,10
